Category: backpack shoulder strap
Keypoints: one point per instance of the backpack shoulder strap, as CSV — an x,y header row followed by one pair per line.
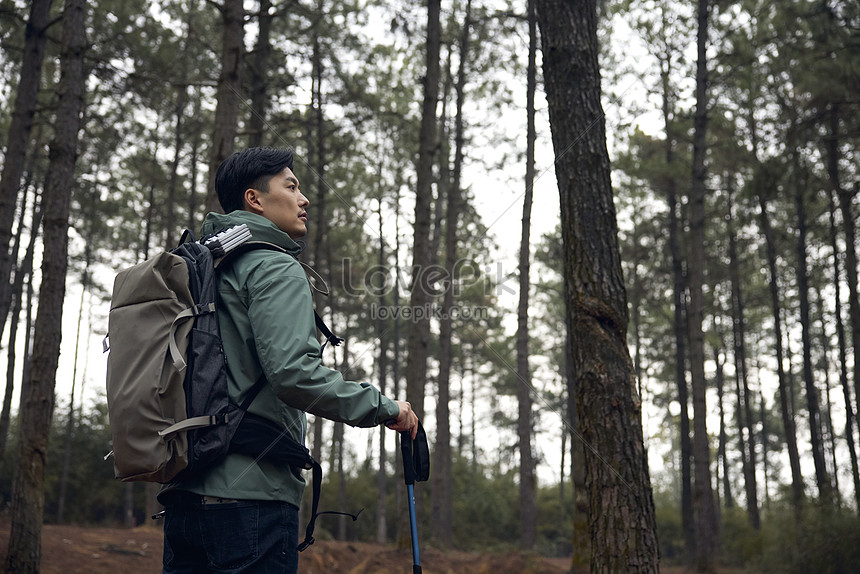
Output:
x,y
253,246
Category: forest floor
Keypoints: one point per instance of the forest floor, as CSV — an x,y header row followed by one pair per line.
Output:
x,y
90,550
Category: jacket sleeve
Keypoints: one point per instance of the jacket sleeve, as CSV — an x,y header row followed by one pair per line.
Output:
x,y
280,310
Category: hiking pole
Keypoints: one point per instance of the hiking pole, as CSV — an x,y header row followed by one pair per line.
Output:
x,y
416,468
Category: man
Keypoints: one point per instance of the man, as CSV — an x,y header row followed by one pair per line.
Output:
x,y
242,515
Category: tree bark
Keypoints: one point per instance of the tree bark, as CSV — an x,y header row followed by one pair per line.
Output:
x,y
442,496
18,138
421,285
621,508
28,497
581,537
228,93
528,483
703,500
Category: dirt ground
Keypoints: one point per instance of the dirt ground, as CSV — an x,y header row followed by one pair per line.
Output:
x,y
85,550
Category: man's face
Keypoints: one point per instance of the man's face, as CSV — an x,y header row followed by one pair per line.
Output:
x,y
284,205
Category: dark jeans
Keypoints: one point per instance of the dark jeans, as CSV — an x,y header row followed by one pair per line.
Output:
x,y
230,537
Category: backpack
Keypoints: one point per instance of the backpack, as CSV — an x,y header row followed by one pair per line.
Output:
x,y
168,405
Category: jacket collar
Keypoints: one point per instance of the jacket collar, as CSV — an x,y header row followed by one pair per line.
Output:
x,y
261,229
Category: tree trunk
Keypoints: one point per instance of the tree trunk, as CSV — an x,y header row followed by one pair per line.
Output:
x,y
581,537
828,434
419,333
195,152
745,418
765,430
228,93
18,138
680,331
70,420
846,198
382,369
442,496
25,270
822,479
843,354
703,501
128,505
318,235
728,499
28,497
260,63
528,483
402,523
173,184
788,425
622,522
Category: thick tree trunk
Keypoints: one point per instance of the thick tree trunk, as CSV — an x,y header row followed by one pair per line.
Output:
x,y
528,483
228,94
707,535
442,496
419,332
581,537
18,138
623,531
28,496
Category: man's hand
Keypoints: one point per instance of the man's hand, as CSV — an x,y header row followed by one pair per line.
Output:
x,y
406,421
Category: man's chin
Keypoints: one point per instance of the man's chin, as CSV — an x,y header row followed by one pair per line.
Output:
x,y
298,233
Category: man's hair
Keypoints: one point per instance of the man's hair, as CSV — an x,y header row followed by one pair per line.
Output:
x,y
252,168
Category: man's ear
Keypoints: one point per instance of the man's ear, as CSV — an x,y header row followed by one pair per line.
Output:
x,y
252,200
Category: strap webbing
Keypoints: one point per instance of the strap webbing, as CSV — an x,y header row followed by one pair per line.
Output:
x,y
329,336
317,485
193,423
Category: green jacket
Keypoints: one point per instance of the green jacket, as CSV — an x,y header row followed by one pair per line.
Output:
x,y
266,318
